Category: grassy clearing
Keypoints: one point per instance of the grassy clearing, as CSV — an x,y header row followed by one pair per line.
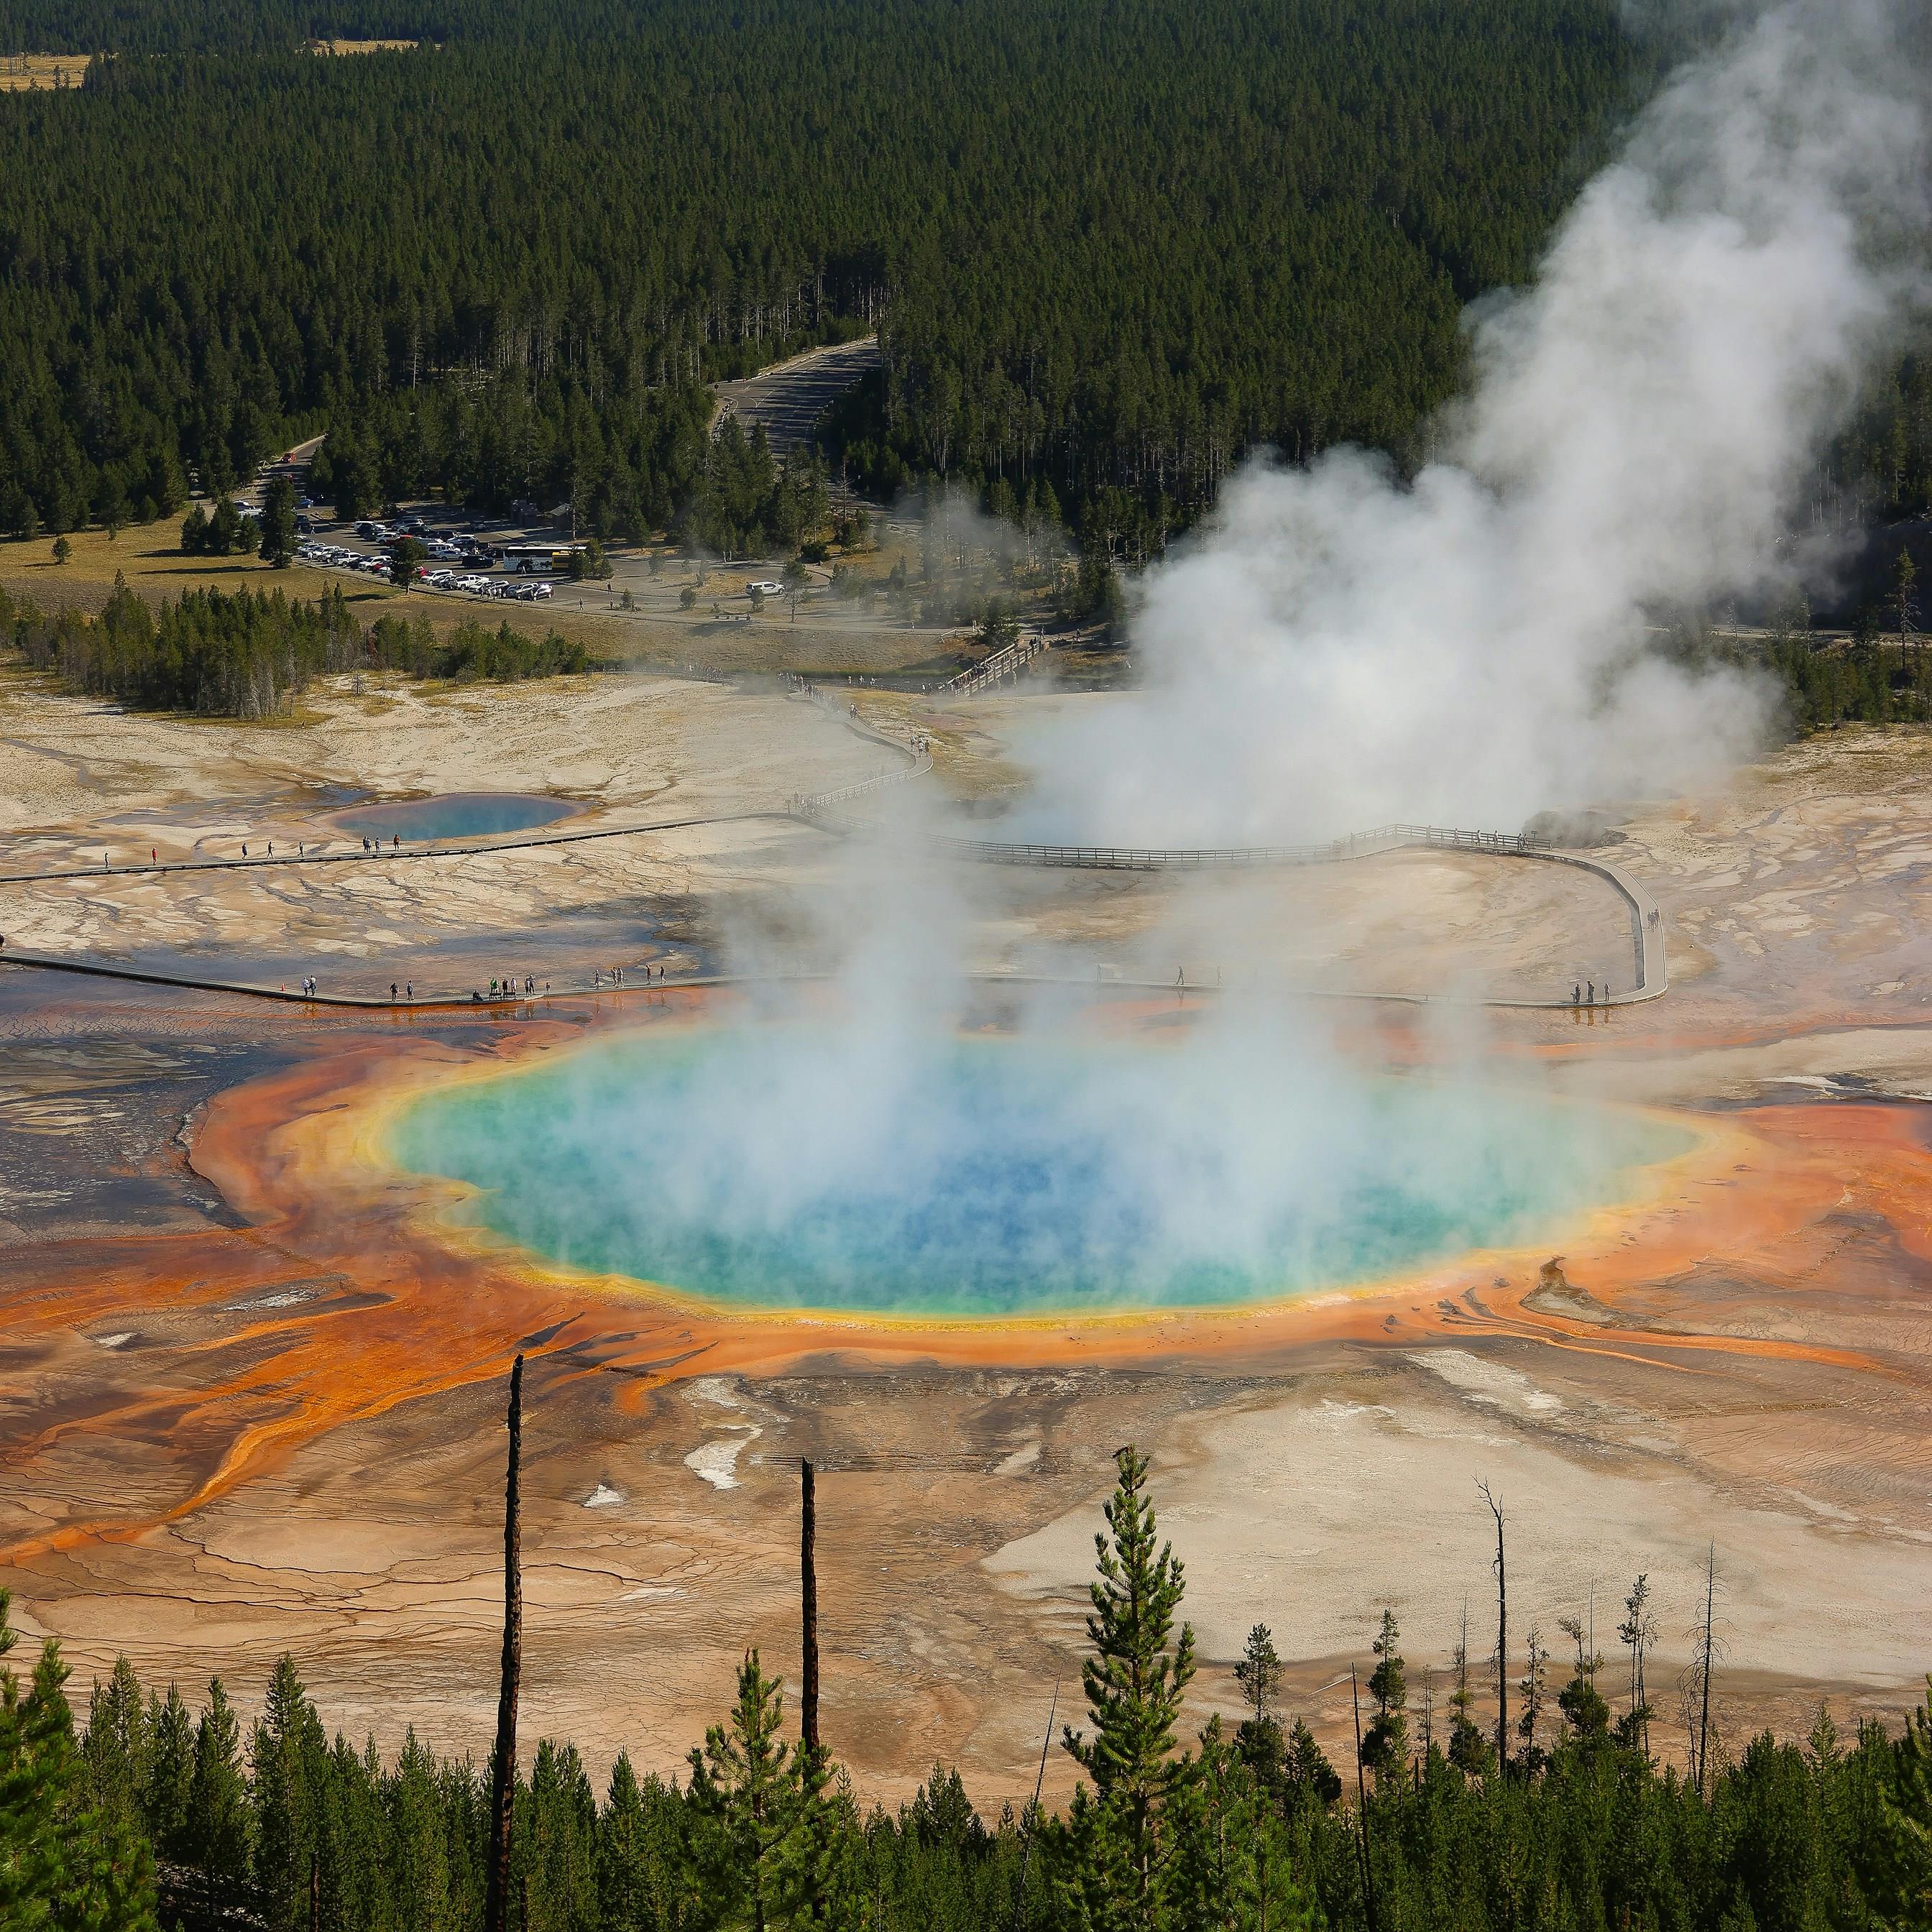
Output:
x,y
155,568
21,73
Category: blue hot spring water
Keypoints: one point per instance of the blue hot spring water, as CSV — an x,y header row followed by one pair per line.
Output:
x,y
468,815
768,1167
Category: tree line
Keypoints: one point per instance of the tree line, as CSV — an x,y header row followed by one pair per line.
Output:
x,y
1559,1818
251,654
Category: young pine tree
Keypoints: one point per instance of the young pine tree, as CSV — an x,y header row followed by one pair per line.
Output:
x,y
289,1755
1258,1737
63,1862
1385,1746
1637,1632
164,1794
1532,1694
1231,1867
742,1799
215,1840
625,1891
1305,1765
1470,1750
278,523
819,1870
1898,1874
1579,1700
1134,1681
117,1747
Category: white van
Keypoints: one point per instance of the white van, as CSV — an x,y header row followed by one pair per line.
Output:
x,y
764,587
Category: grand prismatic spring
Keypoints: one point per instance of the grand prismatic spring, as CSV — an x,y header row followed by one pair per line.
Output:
x,y
809,1132
769,1168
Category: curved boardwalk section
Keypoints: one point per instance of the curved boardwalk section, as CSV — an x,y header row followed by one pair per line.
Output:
x,y
821,810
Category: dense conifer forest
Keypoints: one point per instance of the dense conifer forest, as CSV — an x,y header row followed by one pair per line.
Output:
x,y
1108,248
1556,1816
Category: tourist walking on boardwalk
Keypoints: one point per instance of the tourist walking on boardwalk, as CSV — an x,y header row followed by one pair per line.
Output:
x,y
1593,992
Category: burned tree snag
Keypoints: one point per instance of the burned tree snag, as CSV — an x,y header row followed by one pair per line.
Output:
x,y
1502,1636
503,1763
807,1588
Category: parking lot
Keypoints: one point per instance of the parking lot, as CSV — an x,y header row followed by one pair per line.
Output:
x,y
460,561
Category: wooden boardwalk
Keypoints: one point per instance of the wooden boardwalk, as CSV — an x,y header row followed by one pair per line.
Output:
x,y
1649,965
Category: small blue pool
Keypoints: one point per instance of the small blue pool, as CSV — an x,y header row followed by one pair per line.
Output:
x,y
463,814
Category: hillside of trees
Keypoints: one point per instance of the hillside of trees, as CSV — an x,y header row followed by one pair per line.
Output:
x,y
1108,248
1558,1819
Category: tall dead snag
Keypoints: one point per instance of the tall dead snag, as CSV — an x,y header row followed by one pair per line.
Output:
x,y
808,1593
1502,1635
1362,1807
503,1764
1704,1669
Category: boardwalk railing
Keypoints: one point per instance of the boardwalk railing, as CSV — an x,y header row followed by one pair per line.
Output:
x,y
1650,971
1150,859
1007,662
817,806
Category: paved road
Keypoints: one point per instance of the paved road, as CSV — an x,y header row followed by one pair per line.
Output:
x,y
789,398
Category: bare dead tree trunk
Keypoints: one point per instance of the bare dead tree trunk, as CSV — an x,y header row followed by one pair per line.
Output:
x,y
503,1764
807,1590
1704,1662
1362,1806
1030,1823
1502,1636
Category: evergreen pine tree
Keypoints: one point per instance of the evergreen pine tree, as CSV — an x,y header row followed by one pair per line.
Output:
x,y
1470,1750
288,1757
117,1747
215,1841
278,522
1579,1700
1134,1681
1385,1745
1310,1774
1898,1862
1232,1867
64,1862
624,1900
742,1797
164,1795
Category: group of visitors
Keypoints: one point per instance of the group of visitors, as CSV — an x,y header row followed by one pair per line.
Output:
x,y
618,976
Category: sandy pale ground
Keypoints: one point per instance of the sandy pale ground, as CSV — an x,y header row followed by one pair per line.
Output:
x,y
249,1395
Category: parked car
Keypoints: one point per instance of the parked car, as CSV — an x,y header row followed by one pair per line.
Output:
x,y
764,587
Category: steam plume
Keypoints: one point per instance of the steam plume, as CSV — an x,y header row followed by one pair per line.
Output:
x,y
1342,649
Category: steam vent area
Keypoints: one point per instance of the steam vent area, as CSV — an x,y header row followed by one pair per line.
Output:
x,y
1337,1173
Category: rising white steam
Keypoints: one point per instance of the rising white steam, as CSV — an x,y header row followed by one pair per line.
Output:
x,y
1341,649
